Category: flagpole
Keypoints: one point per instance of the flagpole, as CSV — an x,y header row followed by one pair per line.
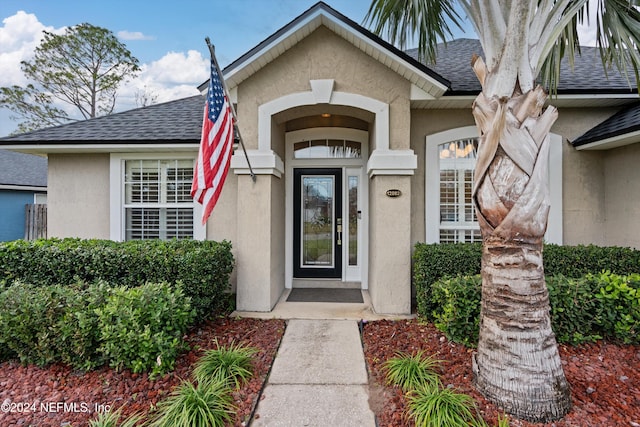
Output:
x,y
233,110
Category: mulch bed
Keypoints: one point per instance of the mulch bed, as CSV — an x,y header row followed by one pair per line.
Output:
x,y
39,395
604,378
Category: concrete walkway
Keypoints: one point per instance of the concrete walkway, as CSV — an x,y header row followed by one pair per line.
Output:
x,y
318,378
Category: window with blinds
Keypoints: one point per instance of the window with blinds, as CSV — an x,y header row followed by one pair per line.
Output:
x,y
458,222
158,202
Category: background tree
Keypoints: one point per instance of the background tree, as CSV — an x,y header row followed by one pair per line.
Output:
x,y
82,68
517,364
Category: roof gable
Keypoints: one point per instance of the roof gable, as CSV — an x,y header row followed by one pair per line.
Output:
x,y
323,15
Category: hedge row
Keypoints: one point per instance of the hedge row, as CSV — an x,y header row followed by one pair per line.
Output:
x,y
203,267
87,326
595,306
435,261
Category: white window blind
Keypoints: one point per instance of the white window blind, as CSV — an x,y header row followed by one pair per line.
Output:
x,y
458,222
158,203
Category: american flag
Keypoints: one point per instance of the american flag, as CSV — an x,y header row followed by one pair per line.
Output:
x,y
214,155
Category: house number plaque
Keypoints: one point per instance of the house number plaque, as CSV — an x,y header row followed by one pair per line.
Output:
x,y
394,193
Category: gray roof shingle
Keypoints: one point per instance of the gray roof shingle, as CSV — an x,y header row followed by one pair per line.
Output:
x,y
174,121
624,121
588,75
22,169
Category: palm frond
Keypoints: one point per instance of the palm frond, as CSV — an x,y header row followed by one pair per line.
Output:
x,y
401,21
618,36
618,39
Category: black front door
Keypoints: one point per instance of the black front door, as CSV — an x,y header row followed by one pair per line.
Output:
x,y
317,223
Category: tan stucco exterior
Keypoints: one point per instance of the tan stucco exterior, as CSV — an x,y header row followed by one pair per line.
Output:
x,y
621,201
281,96
78,196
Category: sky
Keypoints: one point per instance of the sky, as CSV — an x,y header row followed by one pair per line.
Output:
x,y
166,37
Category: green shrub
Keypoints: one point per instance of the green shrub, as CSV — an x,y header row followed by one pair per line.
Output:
x,y
432,262
27,314
574,309
619,306
412,371
456,311
78,329
202,267
141,328
232,365
48,324
207,404
585,309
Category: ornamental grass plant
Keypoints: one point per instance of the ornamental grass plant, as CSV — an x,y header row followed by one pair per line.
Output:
x,y
442,407
208,404
412,371
232,364
112,419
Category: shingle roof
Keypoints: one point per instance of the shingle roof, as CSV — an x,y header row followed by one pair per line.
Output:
x,y
174,121
623,122
22,169
588,76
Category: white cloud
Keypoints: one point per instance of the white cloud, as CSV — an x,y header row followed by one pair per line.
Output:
x,y
587,30
175,75
19,36
133,35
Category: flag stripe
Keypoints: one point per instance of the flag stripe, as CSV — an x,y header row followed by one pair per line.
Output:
x,y
216,146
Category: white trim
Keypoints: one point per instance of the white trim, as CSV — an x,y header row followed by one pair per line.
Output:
x,y
116,193
432,179
14,187
123,147
613,142
262,163
392,162
299,99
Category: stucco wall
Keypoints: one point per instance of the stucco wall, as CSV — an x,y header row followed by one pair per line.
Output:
x,y
583,179
324,55
622,191
260,242
390,245
78,196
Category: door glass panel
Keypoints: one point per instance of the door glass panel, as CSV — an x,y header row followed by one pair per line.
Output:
x,y
353,219
317,221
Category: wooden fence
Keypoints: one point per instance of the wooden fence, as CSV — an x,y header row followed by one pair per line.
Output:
x,y
35,226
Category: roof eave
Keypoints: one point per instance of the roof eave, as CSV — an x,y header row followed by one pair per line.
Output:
x,y
322,15
117,147
626,138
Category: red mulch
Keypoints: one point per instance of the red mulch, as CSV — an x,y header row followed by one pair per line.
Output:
x,y
604,378
35,392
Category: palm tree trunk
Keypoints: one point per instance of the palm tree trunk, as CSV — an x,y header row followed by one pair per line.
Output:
x,y
517,365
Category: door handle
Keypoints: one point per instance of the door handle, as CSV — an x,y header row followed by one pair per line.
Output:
x,y
339,231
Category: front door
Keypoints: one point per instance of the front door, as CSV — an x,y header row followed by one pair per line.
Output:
x,y
317,223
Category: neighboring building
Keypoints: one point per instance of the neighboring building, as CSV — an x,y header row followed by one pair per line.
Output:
x,y
23,181
360,151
